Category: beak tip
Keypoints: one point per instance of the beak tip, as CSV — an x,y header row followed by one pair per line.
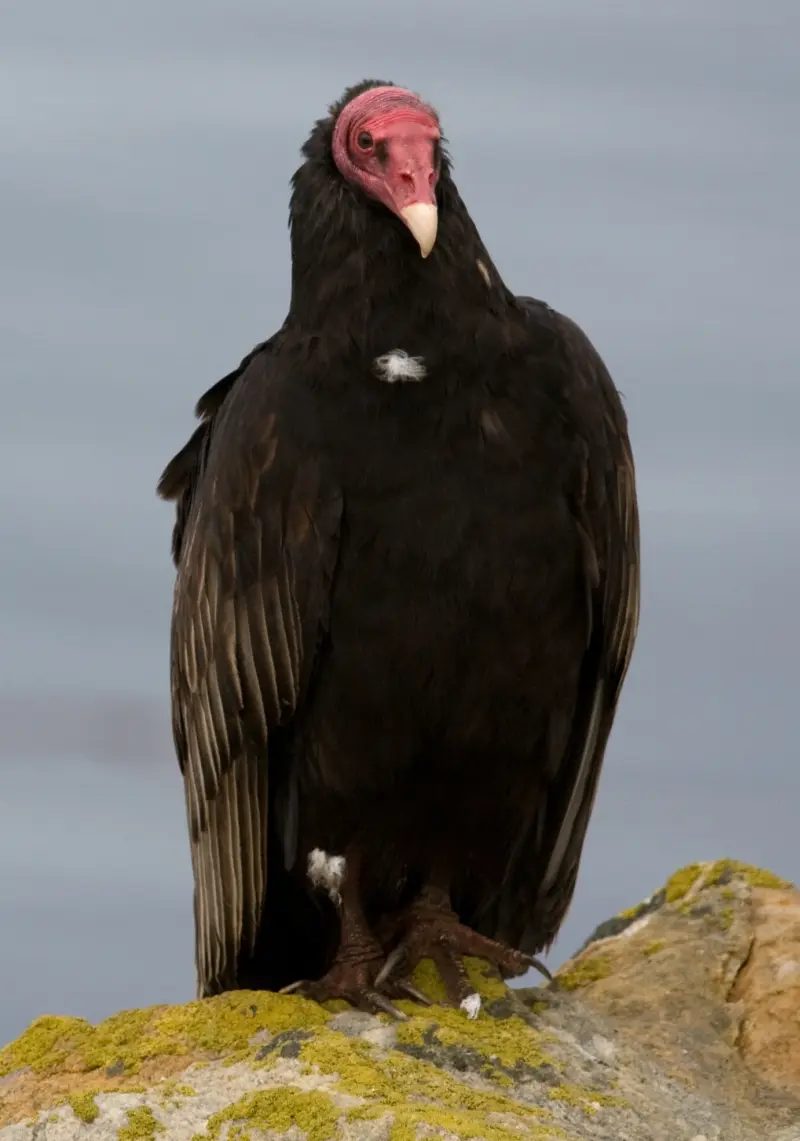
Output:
x,y
422,220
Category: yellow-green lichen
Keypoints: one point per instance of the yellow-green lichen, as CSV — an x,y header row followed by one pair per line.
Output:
x,y
631,912
429,981
487,984
680,882
427,978
84,1106
221,1026
653,948
587,1100
411,1089
337,1006
277,1110
44,1045
726,918
505,1042
585,971
755,877
410,1122
142,1125
169,1092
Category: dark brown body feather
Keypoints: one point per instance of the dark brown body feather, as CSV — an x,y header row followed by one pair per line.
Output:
x,y
403,612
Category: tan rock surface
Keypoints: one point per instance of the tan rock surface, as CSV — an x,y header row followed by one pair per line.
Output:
x,y
706,975
678,1021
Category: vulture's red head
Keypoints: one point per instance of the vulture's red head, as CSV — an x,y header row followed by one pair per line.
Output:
x,y
386,140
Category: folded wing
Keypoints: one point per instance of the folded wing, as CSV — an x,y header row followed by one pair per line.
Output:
x,y
256,550
541,884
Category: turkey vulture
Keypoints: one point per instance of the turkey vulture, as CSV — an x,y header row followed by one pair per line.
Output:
x,y
407,594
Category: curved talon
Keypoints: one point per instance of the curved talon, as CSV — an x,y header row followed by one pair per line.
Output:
x,y
413,993
386,1006
293,987
388,967
537,965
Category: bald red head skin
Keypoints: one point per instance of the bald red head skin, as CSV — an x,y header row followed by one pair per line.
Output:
x,y
386,141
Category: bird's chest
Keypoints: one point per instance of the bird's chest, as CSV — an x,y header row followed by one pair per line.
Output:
x,y
456,593
456,520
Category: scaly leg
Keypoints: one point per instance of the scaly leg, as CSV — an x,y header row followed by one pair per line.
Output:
x,y
359,958
433,931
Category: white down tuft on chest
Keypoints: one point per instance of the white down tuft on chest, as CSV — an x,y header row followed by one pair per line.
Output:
x,y
397,365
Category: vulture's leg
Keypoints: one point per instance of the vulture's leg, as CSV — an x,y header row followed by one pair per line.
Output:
x,y
352,974
433,931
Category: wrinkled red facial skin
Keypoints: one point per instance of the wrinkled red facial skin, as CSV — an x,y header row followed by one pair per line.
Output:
x,y
399,166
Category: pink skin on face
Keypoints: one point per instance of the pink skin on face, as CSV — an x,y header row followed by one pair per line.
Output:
x,y
385,141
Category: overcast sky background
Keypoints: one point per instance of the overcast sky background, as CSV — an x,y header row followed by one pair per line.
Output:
x,y
635,164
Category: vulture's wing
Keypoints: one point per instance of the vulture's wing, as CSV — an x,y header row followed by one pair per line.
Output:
x,y
179,479
256,555
606,514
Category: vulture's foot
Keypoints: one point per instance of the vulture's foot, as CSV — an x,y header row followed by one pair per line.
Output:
x,y
352,978
360,956
433,931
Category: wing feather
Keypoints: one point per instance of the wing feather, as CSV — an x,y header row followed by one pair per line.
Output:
x,y
245,631
607,512
540,886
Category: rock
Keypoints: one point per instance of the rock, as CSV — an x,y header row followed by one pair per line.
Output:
x,y
677,1021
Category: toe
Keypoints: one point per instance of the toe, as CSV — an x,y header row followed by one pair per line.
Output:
x,y
454,976
506,959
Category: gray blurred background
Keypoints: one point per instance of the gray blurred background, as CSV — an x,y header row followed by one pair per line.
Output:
x,y
634,164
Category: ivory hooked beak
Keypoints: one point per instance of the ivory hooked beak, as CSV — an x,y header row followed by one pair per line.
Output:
x,y
422,220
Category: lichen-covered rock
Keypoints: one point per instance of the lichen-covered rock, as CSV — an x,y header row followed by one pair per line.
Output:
x,y
678,1020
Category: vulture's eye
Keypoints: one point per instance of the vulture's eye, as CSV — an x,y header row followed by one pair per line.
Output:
x,y
364,141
